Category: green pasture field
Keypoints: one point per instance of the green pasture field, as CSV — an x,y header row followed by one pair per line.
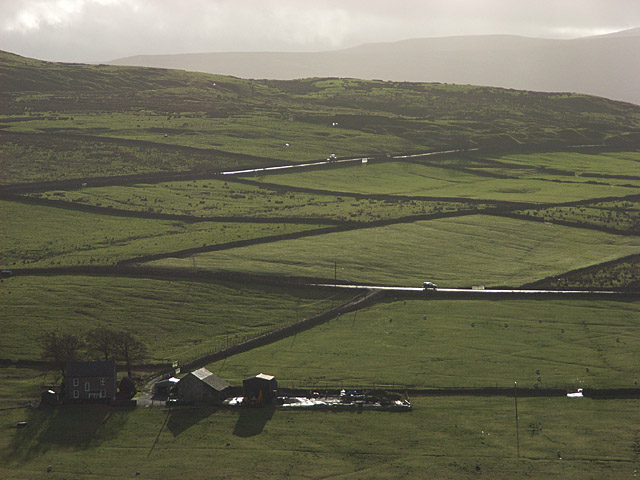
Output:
x,y
623,274
399,178
259,135
622,215
63,121
176,319
257,117
446,343
54,156
444,438
205,198
39,236
599,162
21,384
388,178
453,252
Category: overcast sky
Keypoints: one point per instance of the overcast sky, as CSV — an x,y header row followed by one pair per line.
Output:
x,y
101,30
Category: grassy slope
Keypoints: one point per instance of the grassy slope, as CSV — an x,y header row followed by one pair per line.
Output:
x,y
41,236
47,155
621,215
448,438
422,343
620,274
452,252
67,121
611,163
60,102
176,319
220,198
435,181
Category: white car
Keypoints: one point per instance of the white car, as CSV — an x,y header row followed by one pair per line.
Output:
x,y
429,285
331,158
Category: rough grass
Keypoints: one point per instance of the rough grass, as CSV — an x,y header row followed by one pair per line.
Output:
x,y
609,163
213,112
176,319
448,438
46,236
623,274
453,252
479,343
251,133
21,384
227,199
56,156
622,215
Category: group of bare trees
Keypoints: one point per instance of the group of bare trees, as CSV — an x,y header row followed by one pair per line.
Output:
x,y
98,344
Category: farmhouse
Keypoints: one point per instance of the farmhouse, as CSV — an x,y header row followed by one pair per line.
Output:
x,y
91,380
260,389
202,386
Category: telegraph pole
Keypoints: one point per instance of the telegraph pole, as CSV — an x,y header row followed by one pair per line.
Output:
x,y
516,401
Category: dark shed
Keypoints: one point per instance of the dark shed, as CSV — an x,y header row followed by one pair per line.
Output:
x,y
164,388
260,389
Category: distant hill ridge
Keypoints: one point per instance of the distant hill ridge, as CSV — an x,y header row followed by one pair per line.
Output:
x,y
373,116
604,65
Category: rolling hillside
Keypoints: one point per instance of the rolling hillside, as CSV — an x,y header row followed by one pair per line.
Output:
x,y
136,120
606,66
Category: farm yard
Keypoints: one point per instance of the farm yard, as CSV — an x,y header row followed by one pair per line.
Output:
x,y
115,215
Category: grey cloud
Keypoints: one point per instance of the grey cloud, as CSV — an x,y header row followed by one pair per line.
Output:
x,y
98,30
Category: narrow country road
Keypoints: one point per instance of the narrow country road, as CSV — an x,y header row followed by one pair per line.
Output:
x,y
332,162
479,293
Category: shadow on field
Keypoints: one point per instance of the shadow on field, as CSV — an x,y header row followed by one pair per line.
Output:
x,y
251,421
182,418
70,426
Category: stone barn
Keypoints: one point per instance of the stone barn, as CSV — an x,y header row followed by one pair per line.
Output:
x,y
260,389
202,386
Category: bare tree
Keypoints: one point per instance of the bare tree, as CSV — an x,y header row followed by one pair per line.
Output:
x,y
102,343
130,349
58,349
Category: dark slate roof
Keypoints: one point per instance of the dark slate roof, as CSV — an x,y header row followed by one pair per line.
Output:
x,y
210,379
91,369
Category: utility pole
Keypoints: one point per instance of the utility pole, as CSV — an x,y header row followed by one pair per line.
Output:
x,y
335,274
517,433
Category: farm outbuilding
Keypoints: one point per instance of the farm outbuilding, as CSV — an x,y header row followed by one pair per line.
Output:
x,y
164,388
202,386
260,389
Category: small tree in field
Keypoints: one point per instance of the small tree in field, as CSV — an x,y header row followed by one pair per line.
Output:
x,y
102,343
129,349
58,349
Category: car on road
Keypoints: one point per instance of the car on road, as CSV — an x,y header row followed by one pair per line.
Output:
x,y
331,158
429,285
